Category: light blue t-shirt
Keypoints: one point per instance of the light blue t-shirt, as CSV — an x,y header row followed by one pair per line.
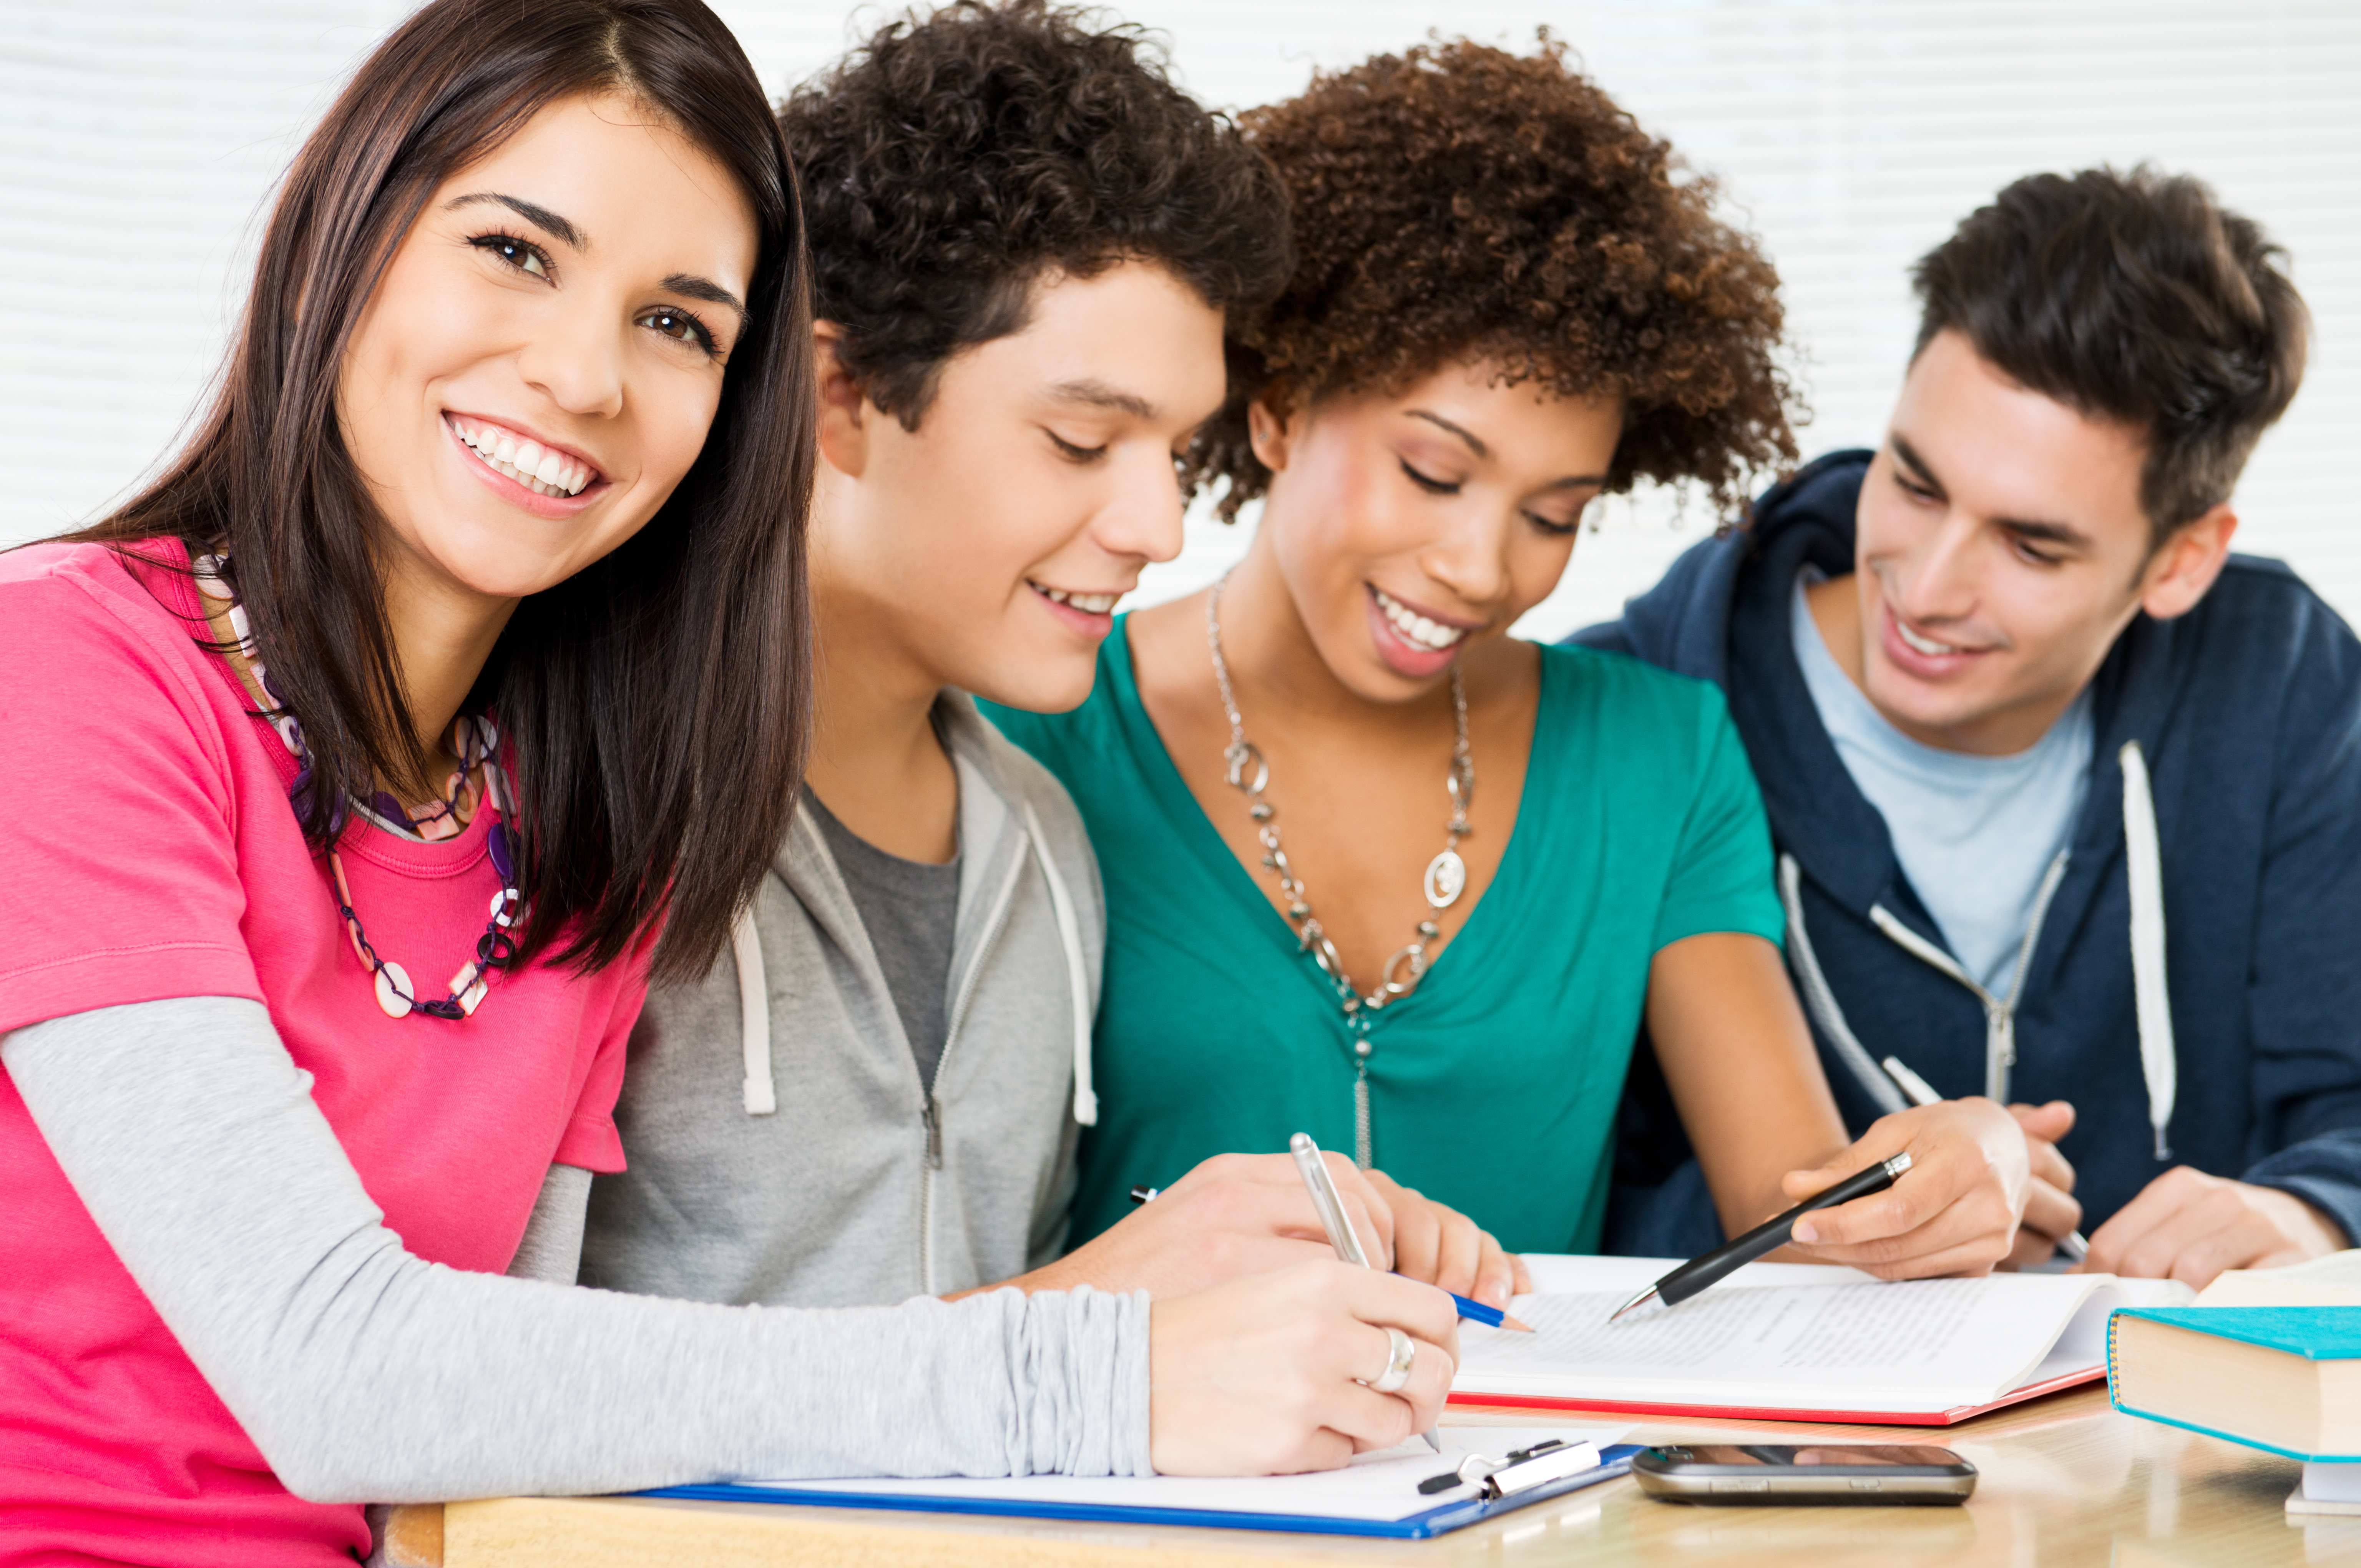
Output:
x,y
1973,833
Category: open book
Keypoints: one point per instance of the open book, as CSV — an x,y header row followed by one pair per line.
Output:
x,y
1797,1342
2330,1281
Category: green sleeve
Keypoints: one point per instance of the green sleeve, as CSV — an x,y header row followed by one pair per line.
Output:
x,y
1721,877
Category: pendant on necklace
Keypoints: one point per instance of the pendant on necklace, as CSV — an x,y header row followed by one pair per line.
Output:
x,y
393,993
1447,877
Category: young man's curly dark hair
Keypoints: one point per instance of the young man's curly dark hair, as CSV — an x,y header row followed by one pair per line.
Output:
x,y
1458,201
956,157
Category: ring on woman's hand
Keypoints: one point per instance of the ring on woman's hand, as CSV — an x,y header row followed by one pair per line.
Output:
x,y
1397,1373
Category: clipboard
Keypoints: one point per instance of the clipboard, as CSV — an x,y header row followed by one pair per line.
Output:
x,y
1454,1513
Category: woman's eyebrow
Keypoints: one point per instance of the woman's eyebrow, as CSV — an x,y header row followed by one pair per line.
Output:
x,y
1474,444
690,286
541,217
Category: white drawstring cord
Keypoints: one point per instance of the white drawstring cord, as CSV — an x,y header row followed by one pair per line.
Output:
x,y
754,1002
2151,994
1070,936
753,1014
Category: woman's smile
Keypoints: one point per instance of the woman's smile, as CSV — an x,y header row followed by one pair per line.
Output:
x,y
538,476
1413,643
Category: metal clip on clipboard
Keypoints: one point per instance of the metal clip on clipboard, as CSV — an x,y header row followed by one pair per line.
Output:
x,y
1524,1469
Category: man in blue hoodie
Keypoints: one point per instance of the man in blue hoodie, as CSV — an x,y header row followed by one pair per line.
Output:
x,y
2067,797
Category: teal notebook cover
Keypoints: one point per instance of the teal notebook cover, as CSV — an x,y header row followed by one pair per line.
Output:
x,y
2316,1333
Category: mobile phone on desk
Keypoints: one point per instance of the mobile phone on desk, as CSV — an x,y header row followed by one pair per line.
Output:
x,y
1779,1473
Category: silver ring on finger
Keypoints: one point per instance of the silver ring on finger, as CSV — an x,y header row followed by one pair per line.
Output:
x,y
1404,1353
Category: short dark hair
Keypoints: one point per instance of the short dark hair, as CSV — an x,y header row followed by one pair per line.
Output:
x,y
656,702
956,157
2135,298
1459,201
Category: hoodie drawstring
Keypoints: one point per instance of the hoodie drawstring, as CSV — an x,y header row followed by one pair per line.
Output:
x,y
1077,980
2151,996
753,1014
754,1002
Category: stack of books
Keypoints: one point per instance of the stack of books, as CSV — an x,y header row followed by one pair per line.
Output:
x,y
2267,1357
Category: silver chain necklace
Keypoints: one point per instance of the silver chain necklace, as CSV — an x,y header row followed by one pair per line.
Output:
x,y
1446,874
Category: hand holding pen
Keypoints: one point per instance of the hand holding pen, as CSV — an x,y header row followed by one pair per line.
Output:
x,y
1933,1190
1955,1213
2051,1210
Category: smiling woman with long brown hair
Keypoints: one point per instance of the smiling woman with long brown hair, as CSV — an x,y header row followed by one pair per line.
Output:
x,y
353,771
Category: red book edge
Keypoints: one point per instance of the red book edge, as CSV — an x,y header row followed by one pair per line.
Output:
x,y
1760,1414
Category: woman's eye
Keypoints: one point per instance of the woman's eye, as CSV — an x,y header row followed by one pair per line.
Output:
x,y
1427,482
1073,452
523,255
1556,528
679,325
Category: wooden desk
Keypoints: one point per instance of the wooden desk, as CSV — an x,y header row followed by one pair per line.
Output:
x,y
2065,1481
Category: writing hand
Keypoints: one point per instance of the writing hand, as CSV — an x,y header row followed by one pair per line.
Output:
x,y
1233,1215
1954,1212
1440,1245
1266,1375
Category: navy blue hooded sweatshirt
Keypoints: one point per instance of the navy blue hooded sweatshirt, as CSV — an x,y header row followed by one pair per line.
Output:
x,y
2247,715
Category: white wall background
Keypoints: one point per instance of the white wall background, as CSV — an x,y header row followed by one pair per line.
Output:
x,y
139,138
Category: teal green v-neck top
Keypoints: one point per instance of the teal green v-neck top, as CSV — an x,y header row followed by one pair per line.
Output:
x,y
1493,1087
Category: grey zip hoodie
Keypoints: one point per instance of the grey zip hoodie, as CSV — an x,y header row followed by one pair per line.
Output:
x,y
782,1147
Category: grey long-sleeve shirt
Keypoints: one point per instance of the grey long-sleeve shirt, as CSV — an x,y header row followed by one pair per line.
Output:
x,y
362,1372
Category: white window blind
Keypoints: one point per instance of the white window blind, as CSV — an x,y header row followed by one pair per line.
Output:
x,y
138,141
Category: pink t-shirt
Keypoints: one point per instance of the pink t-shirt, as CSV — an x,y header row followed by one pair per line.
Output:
x,y
151,853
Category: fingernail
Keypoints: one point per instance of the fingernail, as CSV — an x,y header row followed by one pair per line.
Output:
x,y
1804,1231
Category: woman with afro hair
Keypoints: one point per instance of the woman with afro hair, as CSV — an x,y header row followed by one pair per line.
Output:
x,y
1378,871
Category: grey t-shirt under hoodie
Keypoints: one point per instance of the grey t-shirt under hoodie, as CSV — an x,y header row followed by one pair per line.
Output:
x,y
910,909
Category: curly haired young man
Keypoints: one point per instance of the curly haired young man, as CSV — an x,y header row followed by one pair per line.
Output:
x,y
2067,797
1024,240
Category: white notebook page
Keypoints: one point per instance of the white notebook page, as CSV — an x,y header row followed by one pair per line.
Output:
x,y
1791,1336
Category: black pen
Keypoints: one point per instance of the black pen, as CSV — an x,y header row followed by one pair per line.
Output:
x,y
1769,1236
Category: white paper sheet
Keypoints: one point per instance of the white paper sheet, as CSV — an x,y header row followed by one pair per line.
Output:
x,y
1790,1337
1380,1486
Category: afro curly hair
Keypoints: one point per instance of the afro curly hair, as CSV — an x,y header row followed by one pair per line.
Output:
x,y
957,157
1458,201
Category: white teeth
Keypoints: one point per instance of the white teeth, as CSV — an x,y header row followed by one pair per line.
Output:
x,y
545,473
1925,646
1416,628
1089,604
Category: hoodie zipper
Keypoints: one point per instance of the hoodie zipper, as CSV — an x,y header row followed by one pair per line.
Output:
x,y
1999,1016
931,1115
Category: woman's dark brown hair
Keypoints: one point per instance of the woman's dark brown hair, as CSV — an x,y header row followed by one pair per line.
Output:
x,y
1461,203
656,701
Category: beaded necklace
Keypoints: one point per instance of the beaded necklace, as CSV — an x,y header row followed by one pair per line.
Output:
x,y
474,740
